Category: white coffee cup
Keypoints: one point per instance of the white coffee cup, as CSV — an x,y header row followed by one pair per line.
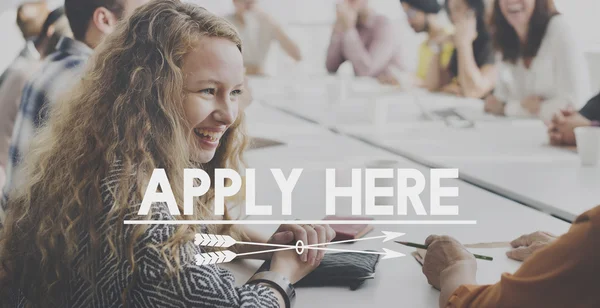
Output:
x,y
588,145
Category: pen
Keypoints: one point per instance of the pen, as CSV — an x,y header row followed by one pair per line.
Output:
x,y
421,246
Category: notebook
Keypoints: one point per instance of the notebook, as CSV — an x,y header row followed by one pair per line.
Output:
x,y
351,231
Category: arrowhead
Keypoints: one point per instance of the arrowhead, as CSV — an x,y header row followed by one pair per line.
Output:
x,y
229,255
390,254
391,235
229,241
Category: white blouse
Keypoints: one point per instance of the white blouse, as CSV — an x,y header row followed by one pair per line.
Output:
x,y
257,35
558,74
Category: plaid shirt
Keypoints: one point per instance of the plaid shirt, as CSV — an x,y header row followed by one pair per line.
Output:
x,y
57,74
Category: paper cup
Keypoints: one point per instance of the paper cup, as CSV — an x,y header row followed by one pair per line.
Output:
x,y
588,145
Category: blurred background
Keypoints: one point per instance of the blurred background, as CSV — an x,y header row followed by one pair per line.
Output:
x,y
309,22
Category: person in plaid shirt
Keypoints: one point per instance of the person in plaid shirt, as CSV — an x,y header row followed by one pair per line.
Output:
x,y
90,21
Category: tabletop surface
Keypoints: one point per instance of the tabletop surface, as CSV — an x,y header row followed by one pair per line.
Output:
x,y
510,157
313,148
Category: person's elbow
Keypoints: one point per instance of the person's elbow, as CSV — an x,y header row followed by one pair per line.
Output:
x,y
365,70
476,92
478,88
331,66
296,54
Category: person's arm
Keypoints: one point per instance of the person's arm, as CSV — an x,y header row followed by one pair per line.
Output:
x,y
433,77
373,60
570,74
190,285
563,274
591,110
287,44
503,92
10,100
474,81
335,57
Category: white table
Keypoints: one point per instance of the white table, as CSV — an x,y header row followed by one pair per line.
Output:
x,y
508,156
397,280
514,160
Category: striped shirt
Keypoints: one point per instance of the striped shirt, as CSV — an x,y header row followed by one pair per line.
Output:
x,y
55,76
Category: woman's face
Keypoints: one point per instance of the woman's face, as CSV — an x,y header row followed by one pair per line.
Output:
x,y
457,9
214,78
517,12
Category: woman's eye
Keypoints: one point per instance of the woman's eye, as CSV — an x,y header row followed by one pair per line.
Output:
x,y
209,91
236,92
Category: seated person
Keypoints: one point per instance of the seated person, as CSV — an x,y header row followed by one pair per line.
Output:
x,y
437,50
258,30
368,40
170,82
543,67
563,274
561,129
19,72
472,70
90,21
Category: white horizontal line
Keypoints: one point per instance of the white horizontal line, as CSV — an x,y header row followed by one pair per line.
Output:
x,y
300,222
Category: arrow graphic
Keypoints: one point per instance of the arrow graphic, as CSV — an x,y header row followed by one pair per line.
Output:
x,y
215,257
211,240
226,241
227,256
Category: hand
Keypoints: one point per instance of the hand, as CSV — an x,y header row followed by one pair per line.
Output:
x,y
465,30
288,264
387,78
561,129
493,105
443,253
309,235
346,16
532,104
526,245
452,88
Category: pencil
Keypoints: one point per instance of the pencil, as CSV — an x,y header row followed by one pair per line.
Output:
x,y
421,246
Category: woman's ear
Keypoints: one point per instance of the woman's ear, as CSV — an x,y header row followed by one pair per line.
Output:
x,y
104,20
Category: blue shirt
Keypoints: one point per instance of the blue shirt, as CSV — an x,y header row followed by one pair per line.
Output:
x,y
57,74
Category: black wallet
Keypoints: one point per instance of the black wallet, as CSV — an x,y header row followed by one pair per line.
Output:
x,y
347,269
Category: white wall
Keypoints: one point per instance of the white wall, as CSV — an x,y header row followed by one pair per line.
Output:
x,y
309,22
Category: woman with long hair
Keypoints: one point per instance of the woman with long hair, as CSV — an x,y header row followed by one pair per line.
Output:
x,y
162,92
471,71
544,67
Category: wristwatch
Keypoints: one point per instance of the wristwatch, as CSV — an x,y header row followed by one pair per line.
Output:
x,y
279,282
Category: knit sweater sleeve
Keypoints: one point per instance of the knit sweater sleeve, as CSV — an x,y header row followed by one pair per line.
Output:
x,y
193,285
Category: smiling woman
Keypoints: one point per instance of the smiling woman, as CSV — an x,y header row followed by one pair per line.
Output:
x,y
169,83
544,68
214,80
